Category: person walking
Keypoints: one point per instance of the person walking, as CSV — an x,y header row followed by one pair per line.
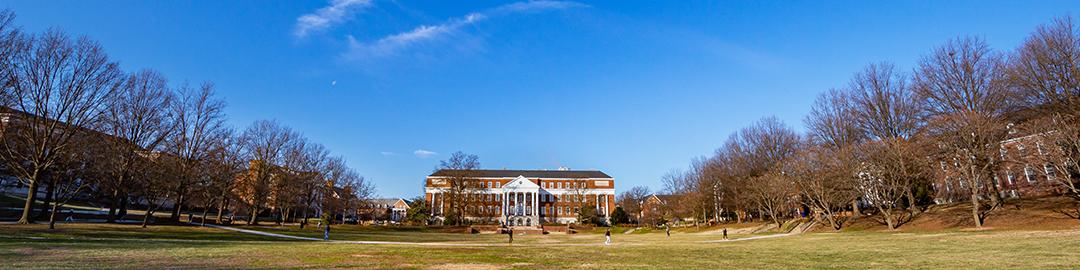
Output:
x,y
607,236
70,216
511,236
725,234
326,233
667,229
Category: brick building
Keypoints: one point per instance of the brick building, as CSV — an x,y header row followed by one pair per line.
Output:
x,y
520,197
1026,170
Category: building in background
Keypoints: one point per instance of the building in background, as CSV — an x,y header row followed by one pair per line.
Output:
x,y
385,209
520,197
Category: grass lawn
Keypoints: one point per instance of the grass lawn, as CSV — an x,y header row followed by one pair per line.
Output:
x,y
127,246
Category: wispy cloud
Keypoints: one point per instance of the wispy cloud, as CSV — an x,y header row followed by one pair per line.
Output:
x,y
337,12
388,153
395,43
421,153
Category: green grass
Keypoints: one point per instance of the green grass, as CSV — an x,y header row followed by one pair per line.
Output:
x,y
127,246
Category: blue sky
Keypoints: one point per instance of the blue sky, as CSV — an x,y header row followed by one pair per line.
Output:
x,y
633,88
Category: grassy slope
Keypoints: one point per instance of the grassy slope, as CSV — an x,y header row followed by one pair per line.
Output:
x,y
111,246
1024,234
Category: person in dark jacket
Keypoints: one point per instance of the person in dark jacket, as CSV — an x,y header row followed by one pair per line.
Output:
x,y
607,236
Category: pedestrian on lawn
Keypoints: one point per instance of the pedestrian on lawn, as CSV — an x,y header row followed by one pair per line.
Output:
x,y
607,236
326,233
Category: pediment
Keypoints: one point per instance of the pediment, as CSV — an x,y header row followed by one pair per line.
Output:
x,y
521,183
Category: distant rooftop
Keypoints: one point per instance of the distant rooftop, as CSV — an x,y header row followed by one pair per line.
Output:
x,y
529,173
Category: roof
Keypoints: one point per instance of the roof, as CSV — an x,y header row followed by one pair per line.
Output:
x,y
388,201
663,198
527,173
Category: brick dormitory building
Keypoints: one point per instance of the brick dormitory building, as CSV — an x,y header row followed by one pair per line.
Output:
x,y
1026,169
520,197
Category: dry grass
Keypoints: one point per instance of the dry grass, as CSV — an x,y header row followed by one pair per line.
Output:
x,y
113,246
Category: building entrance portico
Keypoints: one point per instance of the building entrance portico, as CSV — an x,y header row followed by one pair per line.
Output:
x,y
521,200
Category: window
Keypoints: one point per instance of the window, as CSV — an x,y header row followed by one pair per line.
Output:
x,y
1020,148
1010,177
489,184
1030,174
560,185
1049,169
1038,145
560,210
497,184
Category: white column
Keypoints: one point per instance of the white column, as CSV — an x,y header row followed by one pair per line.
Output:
x,y
536,204
597,202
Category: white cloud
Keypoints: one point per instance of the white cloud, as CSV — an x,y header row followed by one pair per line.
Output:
x,y
337,12
388,153
421,153
392,44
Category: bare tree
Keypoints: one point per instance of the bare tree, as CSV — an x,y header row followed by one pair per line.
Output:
x,y
631,201
56,85
882,179
153,174
75,172
834,131
218,175
198,118
460,169
888,114
1045,74
264,143
138,118
825,181
764,146
312,168
11,42
963,86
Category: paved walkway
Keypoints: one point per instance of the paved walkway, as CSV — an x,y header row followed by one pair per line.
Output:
x,y
345,242
751,238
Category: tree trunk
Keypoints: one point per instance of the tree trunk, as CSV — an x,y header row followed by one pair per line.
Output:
x,y
221,208
31,195
888,218
913,206
146,217
254,216
50,190
855,213
113,203
975,209
124,201
178,207
303,219
205,209
52,217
